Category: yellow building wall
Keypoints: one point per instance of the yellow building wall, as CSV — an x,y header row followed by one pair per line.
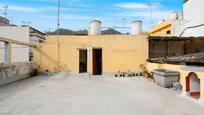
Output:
x,y
161,30
119,52
183,74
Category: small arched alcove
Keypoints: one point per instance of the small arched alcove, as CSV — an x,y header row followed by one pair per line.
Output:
x,y
193,85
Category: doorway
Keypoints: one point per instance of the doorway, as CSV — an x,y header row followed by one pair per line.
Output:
x,y
97,62
82,61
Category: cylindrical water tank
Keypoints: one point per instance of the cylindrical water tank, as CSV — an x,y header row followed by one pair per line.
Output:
x,y
173,15
95,27
136,27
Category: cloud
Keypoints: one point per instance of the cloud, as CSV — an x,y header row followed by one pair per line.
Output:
x,y
157,15
138,6
24,9
132,5
51,8
78,3
74,17
142,10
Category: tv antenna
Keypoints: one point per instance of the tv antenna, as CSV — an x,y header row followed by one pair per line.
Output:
x,y
5,13
124,22
26,23
151,13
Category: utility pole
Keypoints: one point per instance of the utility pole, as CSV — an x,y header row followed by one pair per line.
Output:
x,y
151,13
58,42
5,13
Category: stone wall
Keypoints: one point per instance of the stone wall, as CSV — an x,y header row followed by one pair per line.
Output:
x,y
16,71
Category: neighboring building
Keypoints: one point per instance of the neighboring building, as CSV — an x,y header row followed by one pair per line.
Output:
x,y
95,53
193,16
4,21
24,34
36,37
162,29
173,26
184,24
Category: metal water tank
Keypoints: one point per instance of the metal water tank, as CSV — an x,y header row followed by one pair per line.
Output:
x,y
173,15
136,27
95,27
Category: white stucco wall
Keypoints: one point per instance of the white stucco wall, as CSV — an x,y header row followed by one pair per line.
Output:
x,y
193,15
19,53
177,27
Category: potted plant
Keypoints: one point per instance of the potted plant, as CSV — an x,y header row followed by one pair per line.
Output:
x,y
146,73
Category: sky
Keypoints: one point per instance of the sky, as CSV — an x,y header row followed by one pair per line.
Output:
x,y
77,14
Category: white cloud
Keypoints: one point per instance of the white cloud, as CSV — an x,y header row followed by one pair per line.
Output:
x,y
157,15
51,8
78,3
24,9
74,17
142,10
132,5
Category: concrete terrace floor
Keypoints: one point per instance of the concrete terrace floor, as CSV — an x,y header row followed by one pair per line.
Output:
x,y
69,95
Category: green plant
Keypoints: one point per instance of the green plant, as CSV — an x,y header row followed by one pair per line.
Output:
x,y
145,71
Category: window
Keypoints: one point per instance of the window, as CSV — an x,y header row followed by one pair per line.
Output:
x,y
168,32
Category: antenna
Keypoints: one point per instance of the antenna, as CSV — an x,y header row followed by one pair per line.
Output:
x,y
26,23
124,22
5,13
151,13
58,17
29,23
58,43
23,22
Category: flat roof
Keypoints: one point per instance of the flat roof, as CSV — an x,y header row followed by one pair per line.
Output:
x,y
173,38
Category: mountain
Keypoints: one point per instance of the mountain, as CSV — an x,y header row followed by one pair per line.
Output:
x,y
110,31
62,31
81,32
